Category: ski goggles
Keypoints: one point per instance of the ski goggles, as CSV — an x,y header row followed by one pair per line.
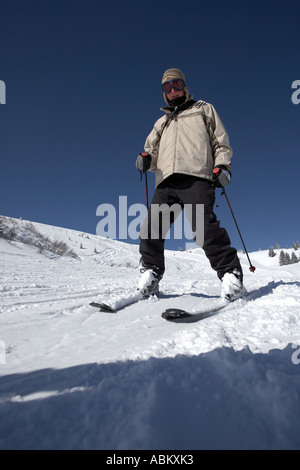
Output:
x,y
177,84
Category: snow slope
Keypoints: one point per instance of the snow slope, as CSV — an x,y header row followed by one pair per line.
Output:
x,y
72,377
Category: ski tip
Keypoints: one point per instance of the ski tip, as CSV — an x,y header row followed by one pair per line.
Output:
x,y
102,306
175,314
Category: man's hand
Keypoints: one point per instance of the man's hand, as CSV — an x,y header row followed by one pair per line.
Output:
x,y
222,177
143,162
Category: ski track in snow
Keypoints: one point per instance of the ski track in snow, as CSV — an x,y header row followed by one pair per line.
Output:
x,y
72,377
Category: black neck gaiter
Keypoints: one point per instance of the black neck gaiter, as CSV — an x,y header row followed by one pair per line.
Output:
x,y
177,101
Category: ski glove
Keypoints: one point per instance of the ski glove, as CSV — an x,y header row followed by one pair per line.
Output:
x,y
222,176
143,162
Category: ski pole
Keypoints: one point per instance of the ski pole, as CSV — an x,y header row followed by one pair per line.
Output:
x,y
146,155
252,268
146,183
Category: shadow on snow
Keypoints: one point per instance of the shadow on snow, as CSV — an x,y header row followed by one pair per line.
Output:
x,y
223,399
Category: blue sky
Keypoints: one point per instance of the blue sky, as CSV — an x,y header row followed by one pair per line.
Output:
x,y
83,90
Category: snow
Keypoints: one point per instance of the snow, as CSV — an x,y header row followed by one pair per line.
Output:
x,y
72,377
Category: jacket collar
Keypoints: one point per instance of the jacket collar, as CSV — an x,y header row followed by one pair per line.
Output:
x,y
174,110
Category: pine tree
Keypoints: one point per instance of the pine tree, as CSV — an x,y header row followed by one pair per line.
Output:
x,y
294,258
287,258
271,252
281,258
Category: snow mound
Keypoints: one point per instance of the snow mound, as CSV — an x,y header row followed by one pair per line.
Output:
x,y
72,377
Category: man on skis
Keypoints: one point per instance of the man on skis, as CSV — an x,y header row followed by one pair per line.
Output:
x,y
189,151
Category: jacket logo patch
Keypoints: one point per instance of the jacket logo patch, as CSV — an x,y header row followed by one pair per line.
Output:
x,y
199,104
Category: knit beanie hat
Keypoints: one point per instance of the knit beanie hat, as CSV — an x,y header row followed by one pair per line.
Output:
x,y
172,74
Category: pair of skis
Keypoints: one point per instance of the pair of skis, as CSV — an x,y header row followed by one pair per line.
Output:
x,y
175,315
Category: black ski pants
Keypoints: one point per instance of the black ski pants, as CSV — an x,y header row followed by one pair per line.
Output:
x,y
182,190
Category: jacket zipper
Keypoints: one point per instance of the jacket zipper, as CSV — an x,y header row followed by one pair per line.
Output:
x,y
175,144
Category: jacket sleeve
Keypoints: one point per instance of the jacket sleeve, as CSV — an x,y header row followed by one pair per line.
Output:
x,y
221,149
153,141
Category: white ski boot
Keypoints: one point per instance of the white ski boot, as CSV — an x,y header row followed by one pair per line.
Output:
x,y
232,286
148,283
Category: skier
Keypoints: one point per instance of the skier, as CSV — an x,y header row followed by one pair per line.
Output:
x,y
189,151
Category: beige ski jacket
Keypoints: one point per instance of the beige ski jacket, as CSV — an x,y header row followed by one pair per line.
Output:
x,y
193,142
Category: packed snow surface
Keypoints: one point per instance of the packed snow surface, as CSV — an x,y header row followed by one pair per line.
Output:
x,y
74,377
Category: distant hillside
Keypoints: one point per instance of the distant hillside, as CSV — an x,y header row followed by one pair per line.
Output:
x,y
26,232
